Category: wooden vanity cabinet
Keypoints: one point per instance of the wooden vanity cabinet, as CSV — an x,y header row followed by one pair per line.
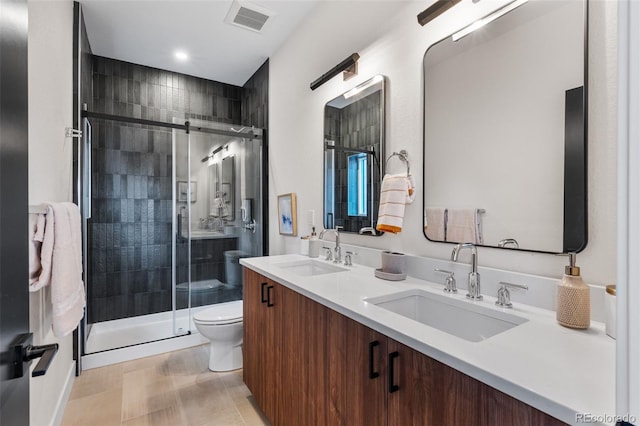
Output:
x,y
309,365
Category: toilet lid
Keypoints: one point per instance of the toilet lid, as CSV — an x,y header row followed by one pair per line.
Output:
x,y
222,313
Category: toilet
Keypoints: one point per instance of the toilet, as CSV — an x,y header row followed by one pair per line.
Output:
x,y
232,268
222,325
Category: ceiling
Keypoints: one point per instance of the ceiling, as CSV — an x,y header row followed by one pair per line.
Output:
x,y
149,32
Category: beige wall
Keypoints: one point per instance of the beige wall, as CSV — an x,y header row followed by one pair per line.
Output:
x,y
50,177
390,42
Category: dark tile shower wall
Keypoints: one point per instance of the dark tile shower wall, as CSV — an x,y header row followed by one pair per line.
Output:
x,y
255,112
123,88
130,229
353,126
255,98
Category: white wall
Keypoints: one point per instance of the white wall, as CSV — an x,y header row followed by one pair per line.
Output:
x,y
50,176
390,42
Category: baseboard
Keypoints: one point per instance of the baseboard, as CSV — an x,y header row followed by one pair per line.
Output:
x,y
61,404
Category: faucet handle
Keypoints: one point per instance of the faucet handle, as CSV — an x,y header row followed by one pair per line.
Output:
x,y
347,258
504,297
450,281
328,253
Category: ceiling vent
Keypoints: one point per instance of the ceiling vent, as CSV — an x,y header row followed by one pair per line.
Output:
x,y
248,16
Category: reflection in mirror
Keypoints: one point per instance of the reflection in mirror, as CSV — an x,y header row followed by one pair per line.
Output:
x,y
504,132
228,187
222,188
353,147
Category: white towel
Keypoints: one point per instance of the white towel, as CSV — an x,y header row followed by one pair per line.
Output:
x,y
36,234
435,219
61,259
463,226
395,192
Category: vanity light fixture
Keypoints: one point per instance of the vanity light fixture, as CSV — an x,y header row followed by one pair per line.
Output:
x,y
360,88
181,55
484,21
435,10
348,67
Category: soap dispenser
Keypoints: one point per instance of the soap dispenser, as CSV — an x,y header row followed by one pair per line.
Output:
x,y
574,298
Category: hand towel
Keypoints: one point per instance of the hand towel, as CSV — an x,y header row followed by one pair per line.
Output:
x,y
396,191
61,259
435,219
36,233
463,226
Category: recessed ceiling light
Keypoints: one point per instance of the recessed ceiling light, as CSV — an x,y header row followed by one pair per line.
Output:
x,y
181,55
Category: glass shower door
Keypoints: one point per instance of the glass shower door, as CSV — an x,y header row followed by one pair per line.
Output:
x,y
218,206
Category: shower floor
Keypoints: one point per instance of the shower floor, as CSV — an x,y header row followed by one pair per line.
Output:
x,y
132,331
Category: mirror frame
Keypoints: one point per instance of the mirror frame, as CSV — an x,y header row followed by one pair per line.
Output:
x,y
380,154
575,212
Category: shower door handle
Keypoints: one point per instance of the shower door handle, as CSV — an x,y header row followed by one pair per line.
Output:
x,y
263,298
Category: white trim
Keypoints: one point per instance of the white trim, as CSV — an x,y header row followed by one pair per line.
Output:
x,y
628,296
61,404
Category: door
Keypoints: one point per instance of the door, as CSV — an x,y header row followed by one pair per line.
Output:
x,y
14,266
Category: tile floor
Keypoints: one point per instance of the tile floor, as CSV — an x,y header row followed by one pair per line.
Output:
x,y
171,389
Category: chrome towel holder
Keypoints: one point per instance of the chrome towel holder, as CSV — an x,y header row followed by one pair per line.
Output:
x,y
403,156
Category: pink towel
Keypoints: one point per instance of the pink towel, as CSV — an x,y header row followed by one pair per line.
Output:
x,y
434,223
61,260
463,226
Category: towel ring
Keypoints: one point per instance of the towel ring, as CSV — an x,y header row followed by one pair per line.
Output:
x,y
402,155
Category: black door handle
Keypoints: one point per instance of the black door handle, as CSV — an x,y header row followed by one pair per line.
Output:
x,y
22,352
269,304
392,386
263,298
372,374
45,353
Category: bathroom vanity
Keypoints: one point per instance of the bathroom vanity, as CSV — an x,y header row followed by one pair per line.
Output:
x,y
321,347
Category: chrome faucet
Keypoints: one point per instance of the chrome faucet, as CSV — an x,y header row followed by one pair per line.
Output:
x,y
337,258
474,276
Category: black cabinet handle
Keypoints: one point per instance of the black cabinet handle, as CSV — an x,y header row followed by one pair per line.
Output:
x,y
263,298
269,304
372,374
392,387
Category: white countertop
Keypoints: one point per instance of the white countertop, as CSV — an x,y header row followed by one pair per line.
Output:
x,y
557,370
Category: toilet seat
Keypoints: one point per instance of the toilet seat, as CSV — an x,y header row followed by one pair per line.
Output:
x,y
220,314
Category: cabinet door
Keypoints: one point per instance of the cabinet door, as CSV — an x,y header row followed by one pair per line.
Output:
x,y
292,366
410,385
312,362
262,342
500,409
253,353
355,396
432,393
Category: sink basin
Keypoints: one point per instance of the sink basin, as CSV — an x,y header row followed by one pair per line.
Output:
x,y
308,268
460,318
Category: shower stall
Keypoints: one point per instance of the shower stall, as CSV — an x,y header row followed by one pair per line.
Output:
x,y
169,209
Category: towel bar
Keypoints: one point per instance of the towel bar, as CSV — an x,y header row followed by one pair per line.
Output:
x,y
39,209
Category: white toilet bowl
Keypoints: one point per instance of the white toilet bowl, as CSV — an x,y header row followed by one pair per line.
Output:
x,y
222,324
